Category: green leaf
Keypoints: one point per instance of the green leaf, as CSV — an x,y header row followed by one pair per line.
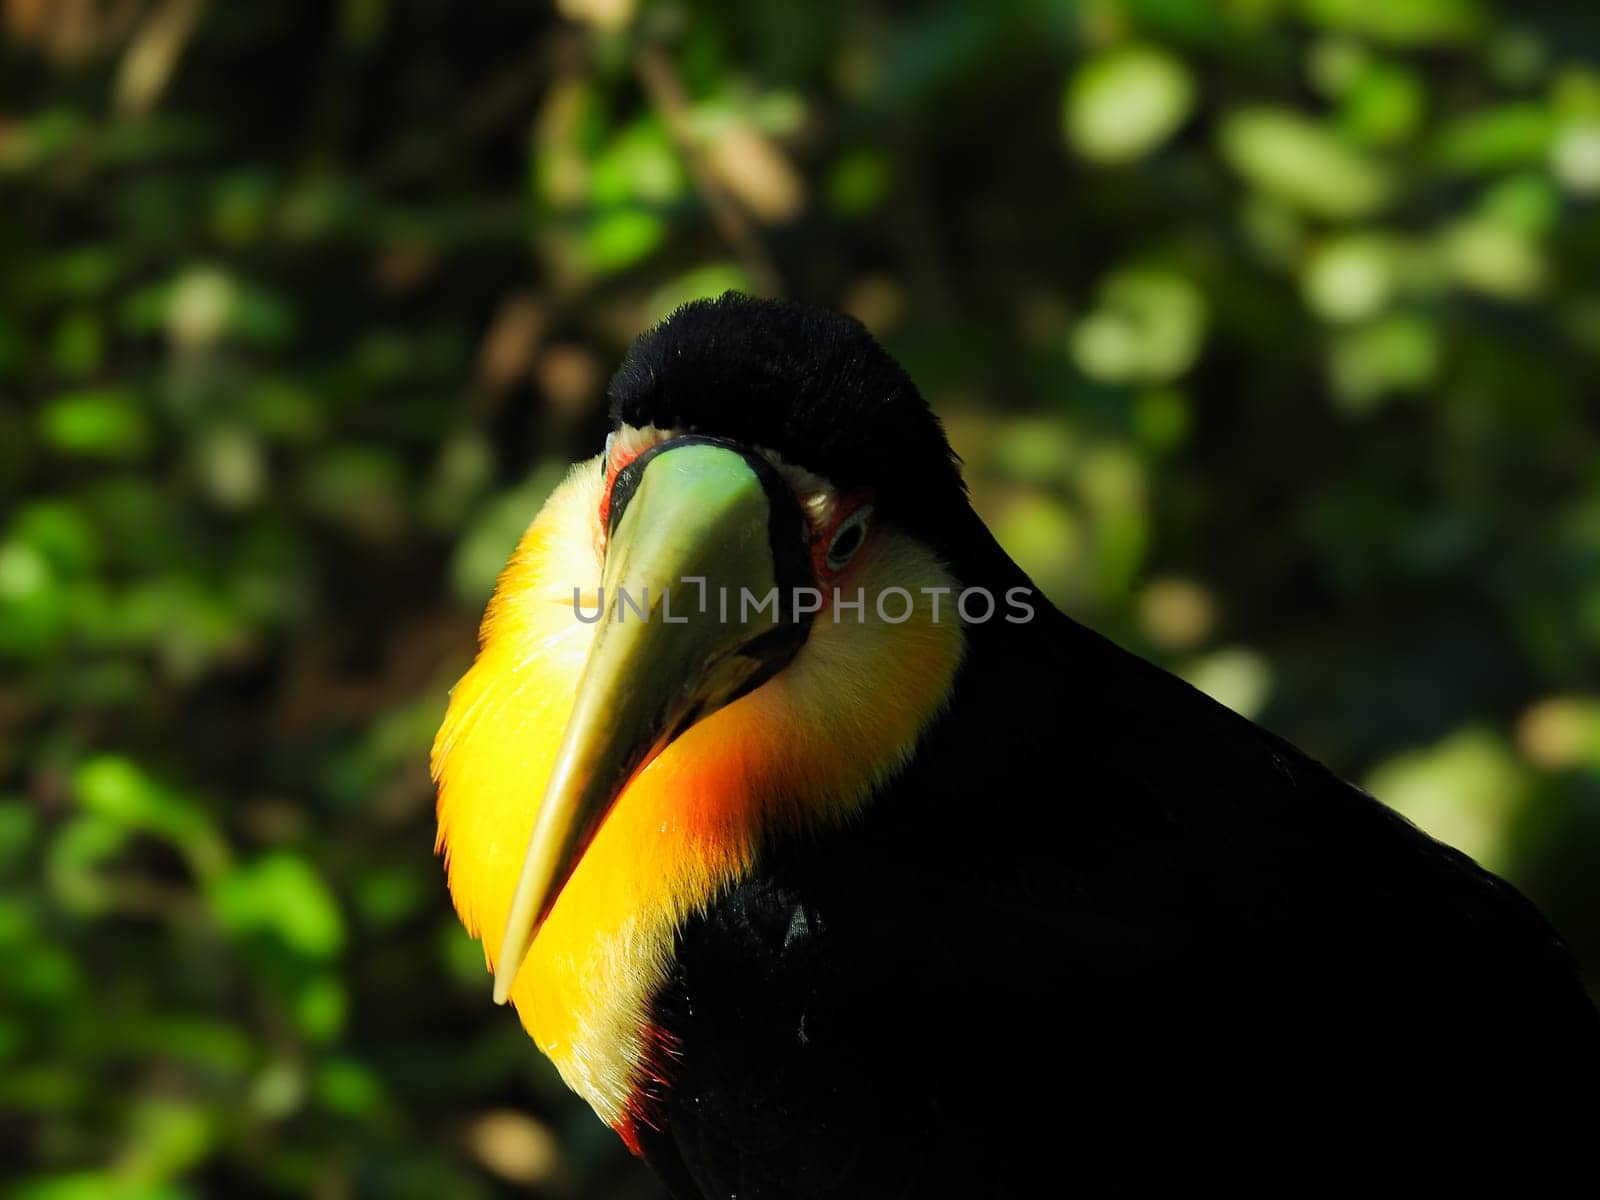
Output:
x,y
1526,203
858,182
1575,156
1123,104
1235,676
1496,139
93,1185
1385,105
1045,538
168,1137
1161,418
117,789
1465,790
1351,278
40,137
640,164
1038,450
281,896
1402,22
702,283
1399,353
96,423
1495,259
73,866
348,1087
319,1008
33,610
1148,327
200,306
1300,161
620,239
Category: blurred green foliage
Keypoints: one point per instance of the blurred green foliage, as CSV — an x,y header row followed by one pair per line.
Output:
x,y
1269,330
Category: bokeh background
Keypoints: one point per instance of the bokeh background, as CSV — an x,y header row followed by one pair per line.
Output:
x,y
1269,331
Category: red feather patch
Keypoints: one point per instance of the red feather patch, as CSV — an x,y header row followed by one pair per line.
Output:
x,y
661,1048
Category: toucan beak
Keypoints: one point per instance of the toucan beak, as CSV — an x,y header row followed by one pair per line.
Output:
x,y
696,527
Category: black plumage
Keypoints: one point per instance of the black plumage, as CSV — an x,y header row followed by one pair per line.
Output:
x,y
807,383
1098,918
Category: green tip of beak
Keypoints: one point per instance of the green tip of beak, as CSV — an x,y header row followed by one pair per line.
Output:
x,y
666,654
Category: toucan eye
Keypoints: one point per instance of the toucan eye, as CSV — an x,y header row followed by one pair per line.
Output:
x,y
847,538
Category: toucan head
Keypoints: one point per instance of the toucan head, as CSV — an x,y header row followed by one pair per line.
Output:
x,y
736,622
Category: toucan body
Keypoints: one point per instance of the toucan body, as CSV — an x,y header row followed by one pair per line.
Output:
x,y
904,884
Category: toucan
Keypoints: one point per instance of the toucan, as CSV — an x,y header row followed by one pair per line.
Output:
x,y
825,857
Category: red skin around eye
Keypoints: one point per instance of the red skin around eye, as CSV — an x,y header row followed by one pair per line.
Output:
x,y
845,509
619,459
